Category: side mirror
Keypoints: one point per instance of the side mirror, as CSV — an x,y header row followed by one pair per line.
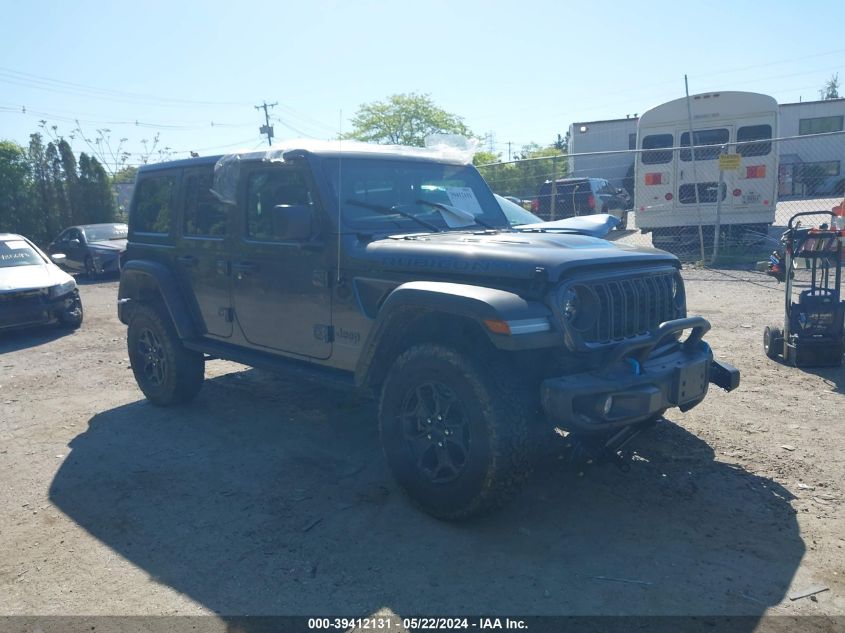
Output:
x,y
58,258
292,222
74,242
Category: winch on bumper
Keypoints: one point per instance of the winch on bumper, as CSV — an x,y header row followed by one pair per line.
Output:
x,y
639,378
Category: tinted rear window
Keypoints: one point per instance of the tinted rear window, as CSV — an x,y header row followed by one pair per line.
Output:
x,y
753,133
154,205
205,215
718,136
657,142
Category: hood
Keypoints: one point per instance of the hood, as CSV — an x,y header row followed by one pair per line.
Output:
x,y
109,245
515,255
597,225
31,277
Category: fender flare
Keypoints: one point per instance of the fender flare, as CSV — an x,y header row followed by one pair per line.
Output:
x,y
139,276
476,303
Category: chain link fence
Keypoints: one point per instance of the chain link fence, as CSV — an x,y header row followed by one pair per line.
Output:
x,y
677,202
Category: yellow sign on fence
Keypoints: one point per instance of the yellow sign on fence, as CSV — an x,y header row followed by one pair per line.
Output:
x,y
729,162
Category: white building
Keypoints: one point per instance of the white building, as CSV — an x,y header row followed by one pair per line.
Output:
x,y
807,166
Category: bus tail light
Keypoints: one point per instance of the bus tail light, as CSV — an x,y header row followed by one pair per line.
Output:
x,y
737,193
654,178
591,201
755,171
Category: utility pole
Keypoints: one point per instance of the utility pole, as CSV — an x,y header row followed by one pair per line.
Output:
x,y
266,128
509,151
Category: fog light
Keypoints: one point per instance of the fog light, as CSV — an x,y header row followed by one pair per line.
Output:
x,y
608,405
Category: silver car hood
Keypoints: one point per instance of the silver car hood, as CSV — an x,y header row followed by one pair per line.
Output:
x,y
13,278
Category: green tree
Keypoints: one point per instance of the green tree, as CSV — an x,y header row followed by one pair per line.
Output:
x,y
830,90
97,193
45,194
404,119
485,158
73,211
125,175
16,192
523,177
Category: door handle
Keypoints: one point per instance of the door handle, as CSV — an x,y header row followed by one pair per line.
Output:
x,y
245,268
187,260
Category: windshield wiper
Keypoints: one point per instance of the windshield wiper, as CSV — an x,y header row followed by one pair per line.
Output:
x,y
458,213
394,210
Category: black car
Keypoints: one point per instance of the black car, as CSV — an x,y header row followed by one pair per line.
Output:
x,y
581,196
93,249
398,274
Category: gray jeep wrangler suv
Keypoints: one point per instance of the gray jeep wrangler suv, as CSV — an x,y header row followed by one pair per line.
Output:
x,y
396,272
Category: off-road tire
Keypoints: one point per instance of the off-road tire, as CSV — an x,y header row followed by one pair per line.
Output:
x,y
772,341
496,422
164,369
71,319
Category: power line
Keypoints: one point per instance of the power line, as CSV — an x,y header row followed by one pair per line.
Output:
x,y
14,77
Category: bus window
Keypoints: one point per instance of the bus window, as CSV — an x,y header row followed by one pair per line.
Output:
x,y
655,142
754,133
706,193
704,137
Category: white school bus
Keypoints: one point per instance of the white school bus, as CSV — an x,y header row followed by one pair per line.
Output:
x,y
676,189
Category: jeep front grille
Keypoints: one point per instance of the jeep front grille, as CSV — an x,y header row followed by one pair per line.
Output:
x,y
632,306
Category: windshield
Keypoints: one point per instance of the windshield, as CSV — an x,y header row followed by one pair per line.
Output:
x,y
18,253
515,214
384,194
106,232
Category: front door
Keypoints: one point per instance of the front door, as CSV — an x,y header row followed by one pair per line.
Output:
x,y
281,291
203,259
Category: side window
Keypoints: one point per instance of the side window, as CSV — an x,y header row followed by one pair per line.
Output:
x,y
265,191
753,133
655,142
704,137
205,215
154,205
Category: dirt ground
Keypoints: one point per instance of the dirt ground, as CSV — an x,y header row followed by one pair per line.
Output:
x,y
271,497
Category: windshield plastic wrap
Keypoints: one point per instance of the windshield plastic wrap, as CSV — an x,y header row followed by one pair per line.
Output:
x,y
447,147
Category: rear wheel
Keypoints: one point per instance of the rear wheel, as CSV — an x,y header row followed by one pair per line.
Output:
x,y
165,371
773,341
455,433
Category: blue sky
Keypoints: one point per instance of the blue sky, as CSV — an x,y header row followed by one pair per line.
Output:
x,y
522,71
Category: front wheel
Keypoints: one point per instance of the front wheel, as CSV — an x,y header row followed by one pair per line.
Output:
x,y
164,369
71,317
455,434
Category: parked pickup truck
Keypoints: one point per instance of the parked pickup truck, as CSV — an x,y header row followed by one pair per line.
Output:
x,y
394,271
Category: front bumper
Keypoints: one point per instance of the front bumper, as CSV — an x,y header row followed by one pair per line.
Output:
x,y
32,308
639,379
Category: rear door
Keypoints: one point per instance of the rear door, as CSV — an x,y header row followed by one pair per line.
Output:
x,y
702,174
202,258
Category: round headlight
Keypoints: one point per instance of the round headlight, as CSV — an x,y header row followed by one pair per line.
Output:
x,y
579,307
